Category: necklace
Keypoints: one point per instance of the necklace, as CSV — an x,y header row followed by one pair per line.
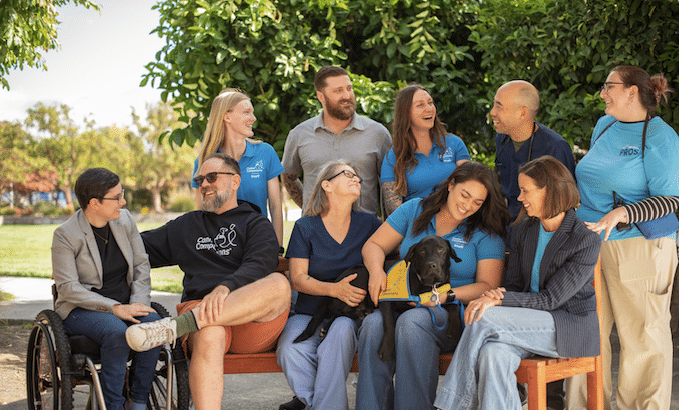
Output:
x,y
102,238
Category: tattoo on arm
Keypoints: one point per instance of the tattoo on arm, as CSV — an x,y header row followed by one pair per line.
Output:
x,y
391,198
294,187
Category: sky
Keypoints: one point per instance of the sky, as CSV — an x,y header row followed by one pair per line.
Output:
x,y
98,68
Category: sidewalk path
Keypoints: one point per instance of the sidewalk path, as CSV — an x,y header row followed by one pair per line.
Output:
x,y
32,295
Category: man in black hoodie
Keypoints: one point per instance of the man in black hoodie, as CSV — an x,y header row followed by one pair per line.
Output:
x,y
232,299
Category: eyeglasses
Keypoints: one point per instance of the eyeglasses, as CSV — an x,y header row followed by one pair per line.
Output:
x,y
210,176
118,197
347,174
607,85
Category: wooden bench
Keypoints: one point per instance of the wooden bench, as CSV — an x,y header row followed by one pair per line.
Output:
x,y
534,371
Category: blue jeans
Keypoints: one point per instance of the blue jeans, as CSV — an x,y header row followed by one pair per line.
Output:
x,y
481,374
317,369
416,362
109,332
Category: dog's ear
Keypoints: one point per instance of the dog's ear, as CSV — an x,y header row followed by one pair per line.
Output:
x,y
411,253
452,253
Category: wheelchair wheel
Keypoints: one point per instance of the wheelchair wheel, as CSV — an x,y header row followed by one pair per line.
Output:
x,y
180,397
48,365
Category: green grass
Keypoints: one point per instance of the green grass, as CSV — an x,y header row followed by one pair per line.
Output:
x,y
25,251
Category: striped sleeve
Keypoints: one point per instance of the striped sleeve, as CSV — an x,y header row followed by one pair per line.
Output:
x,y
651,208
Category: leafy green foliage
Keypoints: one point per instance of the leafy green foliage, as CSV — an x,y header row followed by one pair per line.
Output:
x,y
567,48
271,50
26,26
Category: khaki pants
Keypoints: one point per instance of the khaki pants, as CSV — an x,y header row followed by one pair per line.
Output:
x,y
637,278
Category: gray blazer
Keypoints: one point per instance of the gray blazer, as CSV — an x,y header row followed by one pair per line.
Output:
x,y
566,274
76,264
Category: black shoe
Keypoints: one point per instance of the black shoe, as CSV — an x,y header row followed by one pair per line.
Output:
x,y
294,404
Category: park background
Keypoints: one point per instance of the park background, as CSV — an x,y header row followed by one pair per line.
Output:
x,y
462,51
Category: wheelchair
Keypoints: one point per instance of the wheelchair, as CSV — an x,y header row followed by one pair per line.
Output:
x,y
57,363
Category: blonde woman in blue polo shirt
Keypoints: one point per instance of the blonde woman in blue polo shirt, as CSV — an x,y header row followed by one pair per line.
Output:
x,y
423,154
229,131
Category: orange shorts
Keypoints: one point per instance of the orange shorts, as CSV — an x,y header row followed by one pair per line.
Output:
x,y
250,337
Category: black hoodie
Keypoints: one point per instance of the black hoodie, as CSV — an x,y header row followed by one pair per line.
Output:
x,y
232,249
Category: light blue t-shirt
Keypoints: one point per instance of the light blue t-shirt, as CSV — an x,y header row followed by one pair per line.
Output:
x,y
614,163
430,171
481,246
543,239
258,165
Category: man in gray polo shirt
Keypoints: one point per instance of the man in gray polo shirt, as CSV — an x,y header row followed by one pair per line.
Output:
x,y
336,133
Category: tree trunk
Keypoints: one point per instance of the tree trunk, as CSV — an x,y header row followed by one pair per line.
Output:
x,y
155,199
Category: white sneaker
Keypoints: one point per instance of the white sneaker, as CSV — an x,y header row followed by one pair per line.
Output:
x,y
145,336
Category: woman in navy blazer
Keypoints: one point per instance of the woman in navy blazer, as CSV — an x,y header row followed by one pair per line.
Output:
x,y
547,305
102,274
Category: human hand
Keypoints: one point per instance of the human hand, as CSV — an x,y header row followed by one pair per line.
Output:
x,y
212,305
377,284
477,307
608,222
347,293
497,293
128,312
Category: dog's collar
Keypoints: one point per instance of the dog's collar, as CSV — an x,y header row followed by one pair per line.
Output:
x,y
398,286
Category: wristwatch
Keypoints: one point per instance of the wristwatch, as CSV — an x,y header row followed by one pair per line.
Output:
x,y
451,296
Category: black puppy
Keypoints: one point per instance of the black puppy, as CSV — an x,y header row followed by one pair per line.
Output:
x,y
337,308
429,267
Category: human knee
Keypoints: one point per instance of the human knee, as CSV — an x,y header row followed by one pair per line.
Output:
x,y
278,287
371,330
209,341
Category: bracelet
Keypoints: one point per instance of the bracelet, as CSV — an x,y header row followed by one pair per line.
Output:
x,y
451,296
281,250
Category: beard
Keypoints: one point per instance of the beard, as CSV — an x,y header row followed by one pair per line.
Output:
x,y
212,204
340,111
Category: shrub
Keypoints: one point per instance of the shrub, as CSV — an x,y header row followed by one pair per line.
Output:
x,y
182,203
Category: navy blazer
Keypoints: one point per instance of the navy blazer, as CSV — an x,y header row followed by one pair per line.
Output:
x,y
566,274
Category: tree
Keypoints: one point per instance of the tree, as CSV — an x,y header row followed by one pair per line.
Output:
x,y
566,49
152,164
272,49
15,161
26,26
65,150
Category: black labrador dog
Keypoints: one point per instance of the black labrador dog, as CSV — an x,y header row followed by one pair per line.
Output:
x,y
337,308
429,267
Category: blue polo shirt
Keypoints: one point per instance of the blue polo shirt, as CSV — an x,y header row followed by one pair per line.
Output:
x,y
507,162
614,163
258,165
327,258
430,170
480,246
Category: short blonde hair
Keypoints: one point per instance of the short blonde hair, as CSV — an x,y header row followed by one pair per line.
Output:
x,y
318,200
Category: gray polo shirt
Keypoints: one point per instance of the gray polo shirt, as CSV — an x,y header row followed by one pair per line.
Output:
x,y
364,143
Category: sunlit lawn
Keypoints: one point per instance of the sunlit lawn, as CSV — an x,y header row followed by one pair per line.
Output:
x,y
25,251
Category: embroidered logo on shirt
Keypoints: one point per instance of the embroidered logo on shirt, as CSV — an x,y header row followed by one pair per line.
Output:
x,y
221,244
458,243
628,151
448,156
256,171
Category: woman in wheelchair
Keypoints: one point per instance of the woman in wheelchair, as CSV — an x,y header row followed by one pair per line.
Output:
x,y
102,275
547,305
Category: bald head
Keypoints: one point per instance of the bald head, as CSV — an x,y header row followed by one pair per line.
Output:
x,y
523,94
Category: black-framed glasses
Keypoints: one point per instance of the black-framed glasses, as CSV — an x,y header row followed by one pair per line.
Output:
x,y
118,197
210,176
607,85
347,174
